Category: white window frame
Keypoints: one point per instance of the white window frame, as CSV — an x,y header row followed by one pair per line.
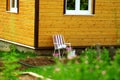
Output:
x,y
15,8
77,10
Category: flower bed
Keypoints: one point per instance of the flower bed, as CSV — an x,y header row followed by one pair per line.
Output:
x,y
88,66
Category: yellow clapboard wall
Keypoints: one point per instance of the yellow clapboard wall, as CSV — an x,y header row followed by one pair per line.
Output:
x,y
18,27
101,28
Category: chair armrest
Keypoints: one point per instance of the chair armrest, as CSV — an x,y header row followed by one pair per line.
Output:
x,y
69,44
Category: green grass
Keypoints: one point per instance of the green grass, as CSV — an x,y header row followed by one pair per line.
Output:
x,y
8,71
20,54
88,66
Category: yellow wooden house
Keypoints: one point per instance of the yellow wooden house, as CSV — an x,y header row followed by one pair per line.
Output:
x,y
31,23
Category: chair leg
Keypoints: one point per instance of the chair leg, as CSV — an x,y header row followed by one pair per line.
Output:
x,y
59,53
56,54
63,52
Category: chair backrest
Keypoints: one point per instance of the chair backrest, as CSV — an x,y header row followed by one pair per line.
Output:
x,y
58,41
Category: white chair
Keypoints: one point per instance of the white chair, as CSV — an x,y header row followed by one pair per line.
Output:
x,y
59,43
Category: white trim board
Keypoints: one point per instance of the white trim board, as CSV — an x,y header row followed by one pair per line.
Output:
x,y
17,43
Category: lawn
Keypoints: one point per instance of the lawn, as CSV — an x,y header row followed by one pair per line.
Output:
x,y
89,65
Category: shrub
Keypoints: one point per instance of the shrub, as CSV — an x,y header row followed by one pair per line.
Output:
x,y
10,60
90,66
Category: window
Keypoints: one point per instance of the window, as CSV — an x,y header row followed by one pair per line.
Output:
x,y
12,6
79,7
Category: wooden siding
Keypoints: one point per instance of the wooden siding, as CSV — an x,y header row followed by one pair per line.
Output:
x,y
101,28
18,27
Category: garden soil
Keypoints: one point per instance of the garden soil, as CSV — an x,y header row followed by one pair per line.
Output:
x,y
36,61
33,62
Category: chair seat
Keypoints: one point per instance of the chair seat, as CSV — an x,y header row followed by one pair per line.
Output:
x,y
61,46
59,43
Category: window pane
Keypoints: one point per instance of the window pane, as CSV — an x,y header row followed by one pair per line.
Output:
x,y
13,3
70,4
83,4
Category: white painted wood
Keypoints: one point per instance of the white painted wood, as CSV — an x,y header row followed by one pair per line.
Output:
x,y
16,43
13,9
77,10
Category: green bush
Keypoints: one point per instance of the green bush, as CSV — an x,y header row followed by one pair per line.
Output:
x,y
88,66
9,60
